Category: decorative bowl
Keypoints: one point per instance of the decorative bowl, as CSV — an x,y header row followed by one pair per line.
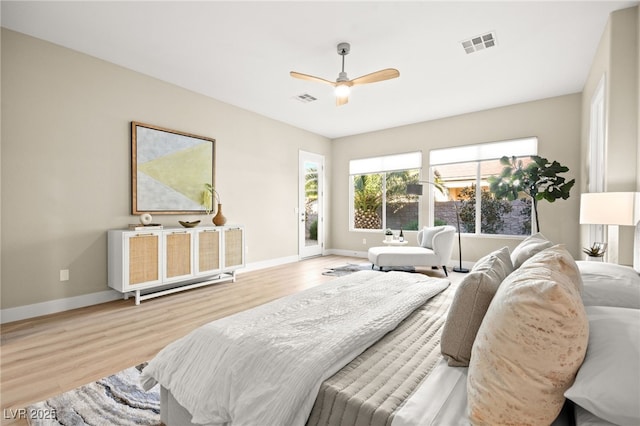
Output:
x,y
188,224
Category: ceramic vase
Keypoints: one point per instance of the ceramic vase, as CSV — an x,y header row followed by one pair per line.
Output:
x,y
219,218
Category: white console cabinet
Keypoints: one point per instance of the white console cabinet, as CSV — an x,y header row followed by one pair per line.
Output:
x,y
155,262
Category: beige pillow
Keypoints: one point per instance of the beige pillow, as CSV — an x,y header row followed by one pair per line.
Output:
x,y
528,247
470,304
558,257
529,346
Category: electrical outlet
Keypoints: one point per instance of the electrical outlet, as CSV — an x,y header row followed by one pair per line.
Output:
x,y
64,275
364,241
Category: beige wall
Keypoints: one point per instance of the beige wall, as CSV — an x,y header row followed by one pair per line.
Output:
x,y
555,121
617,60
66,166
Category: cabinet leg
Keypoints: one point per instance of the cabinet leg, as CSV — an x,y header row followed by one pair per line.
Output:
x,y
137,297
233,274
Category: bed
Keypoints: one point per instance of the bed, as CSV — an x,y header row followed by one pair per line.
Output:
x,y
440,359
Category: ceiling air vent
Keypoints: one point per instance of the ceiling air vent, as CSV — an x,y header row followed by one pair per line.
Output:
x,y
305,98
480,42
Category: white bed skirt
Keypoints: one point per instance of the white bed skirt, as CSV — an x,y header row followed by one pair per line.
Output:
x,y
172,413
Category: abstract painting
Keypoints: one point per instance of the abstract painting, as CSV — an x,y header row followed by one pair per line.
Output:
x,y
169,170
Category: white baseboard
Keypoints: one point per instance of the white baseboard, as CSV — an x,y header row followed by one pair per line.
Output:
x,y
254,266
60,305
349,253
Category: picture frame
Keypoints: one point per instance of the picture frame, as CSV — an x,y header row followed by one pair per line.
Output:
x,y
169,170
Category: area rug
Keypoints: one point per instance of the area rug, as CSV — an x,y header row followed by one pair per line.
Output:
x,y
115,400
350,268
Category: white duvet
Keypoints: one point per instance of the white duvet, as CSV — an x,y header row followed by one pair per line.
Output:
x,y
264,366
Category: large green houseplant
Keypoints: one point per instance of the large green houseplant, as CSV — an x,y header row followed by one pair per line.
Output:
x,y
540,180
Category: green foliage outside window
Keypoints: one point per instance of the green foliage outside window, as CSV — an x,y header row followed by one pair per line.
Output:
x,y
540,180
492,210
368,200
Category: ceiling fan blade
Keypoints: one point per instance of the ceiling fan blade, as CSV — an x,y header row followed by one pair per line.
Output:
x,y
341,101
381,75
310,78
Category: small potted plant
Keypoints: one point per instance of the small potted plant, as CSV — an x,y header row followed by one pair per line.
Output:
x,y
388,235
595,252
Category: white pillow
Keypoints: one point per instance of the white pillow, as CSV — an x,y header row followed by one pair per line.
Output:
x,y
608,284
607,383
585,418
428,234
528,247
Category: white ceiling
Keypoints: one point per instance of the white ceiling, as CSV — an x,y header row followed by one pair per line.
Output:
x,y
241,52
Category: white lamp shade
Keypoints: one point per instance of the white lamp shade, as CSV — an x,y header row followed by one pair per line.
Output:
x,y
342,91
610,208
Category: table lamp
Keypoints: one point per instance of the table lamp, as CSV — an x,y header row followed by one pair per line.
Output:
x,y
613,209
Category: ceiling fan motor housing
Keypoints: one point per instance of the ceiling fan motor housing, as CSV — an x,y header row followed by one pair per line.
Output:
x,y
344,48
342,76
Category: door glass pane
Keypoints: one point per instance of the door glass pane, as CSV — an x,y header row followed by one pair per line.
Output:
x,y
311,203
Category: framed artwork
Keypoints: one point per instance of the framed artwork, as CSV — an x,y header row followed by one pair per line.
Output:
x,y
169,170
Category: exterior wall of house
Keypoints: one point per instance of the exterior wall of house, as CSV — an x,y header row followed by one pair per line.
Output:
x,y
556,123
617,60
66,166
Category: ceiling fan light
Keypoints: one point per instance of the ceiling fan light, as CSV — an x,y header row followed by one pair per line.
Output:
x,y
342,91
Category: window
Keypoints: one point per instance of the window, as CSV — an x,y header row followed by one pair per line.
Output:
x,y
463,171
597,151
379,198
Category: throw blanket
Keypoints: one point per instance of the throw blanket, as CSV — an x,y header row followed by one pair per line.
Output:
x,y
371,389
265,365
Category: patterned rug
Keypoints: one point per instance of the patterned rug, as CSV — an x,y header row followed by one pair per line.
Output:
x,y
350,268
114,400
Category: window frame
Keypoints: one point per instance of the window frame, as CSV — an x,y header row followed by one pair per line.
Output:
x,y
382,165
479,153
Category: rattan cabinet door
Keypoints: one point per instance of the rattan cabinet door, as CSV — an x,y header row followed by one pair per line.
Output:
x,y
208,253
178,246
233,247
143,259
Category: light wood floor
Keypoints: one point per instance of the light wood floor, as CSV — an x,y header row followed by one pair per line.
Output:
x,y
45,356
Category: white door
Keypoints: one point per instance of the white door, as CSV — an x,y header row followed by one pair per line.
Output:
x,y
311,205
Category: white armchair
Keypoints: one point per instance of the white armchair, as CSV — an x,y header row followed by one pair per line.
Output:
x,y
435,246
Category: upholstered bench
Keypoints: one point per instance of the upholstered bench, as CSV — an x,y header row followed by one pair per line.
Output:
x,y
436,245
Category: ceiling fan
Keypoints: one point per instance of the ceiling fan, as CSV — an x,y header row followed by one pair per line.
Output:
x,y
343,84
